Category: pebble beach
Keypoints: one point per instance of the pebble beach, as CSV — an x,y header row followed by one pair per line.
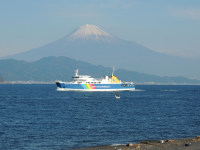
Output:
x,y
178,144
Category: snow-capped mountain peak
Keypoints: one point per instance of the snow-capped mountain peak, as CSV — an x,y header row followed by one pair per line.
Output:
x,y
90,32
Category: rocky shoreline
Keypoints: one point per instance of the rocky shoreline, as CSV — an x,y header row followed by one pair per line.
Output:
x,y
178,144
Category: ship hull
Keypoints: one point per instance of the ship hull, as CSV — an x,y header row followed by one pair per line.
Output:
x,y
63,86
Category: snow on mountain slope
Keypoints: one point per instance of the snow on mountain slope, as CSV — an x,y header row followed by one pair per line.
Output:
x,y
87,31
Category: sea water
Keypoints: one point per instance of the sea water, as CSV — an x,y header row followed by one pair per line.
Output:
x,y
36,116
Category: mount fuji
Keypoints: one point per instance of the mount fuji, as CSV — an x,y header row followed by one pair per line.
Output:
x,y
91,32
91,44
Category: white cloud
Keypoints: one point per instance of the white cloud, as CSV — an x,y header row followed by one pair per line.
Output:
x,y
187,13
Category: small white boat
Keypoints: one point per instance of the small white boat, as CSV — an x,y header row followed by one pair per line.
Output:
x,y
117,96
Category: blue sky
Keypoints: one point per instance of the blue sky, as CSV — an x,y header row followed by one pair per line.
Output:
x,y
169,26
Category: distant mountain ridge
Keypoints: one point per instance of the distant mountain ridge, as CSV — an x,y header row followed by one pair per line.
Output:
x,y
62,68
91,44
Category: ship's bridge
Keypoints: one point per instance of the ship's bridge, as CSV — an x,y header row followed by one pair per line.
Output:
x,y
83,78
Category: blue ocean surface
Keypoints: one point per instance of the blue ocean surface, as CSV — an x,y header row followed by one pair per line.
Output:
x,y
37,117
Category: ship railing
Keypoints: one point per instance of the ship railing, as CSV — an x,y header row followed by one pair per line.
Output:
x,y
127,82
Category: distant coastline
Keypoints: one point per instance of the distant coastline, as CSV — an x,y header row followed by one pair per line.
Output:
x,y
53,82
26,82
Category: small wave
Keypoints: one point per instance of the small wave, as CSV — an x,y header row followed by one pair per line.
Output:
x,y
139,90
168,90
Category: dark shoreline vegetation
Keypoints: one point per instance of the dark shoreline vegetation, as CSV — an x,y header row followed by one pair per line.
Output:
x,y
49,69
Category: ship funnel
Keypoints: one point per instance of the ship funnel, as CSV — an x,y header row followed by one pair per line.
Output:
x,y
76,72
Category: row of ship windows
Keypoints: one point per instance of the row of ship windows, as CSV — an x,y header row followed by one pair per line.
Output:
x,y
93,82
90,82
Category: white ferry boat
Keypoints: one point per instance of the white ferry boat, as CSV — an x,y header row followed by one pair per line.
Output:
x,y
87,83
